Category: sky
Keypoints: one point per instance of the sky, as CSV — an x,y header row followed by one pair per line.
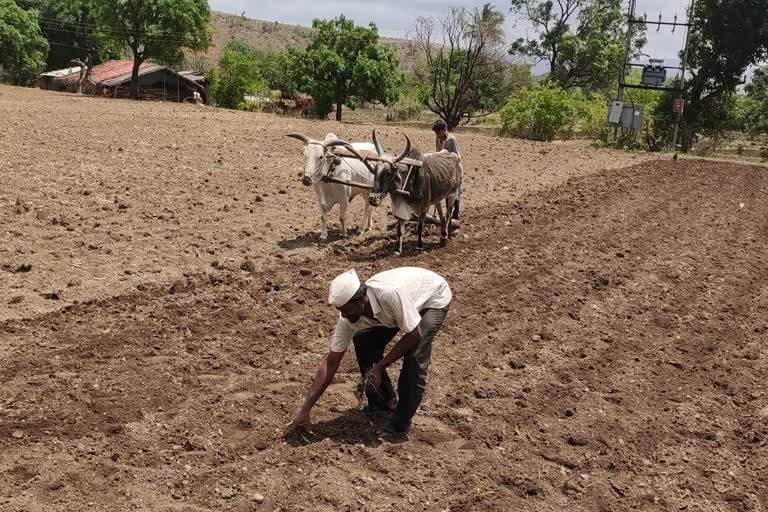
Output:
x,y
396,17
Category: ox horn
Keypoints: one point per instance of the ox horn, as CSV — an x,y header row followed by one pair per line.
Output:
x,y
376,143
406,151
348,147
300,136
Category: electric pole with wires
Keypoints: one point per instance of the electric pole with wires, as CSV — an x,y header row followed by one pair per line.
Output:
x,y
653,75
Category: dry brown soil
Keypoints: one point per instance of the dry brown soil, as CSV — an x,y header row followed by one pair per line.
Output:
x,y
605,351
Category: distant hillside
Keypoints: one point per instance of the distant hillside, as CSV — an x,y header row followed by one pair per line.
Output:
x,y
273,36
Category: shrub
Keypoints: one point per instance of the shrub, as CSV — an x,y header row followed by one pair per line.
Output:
x,y
236,77
764,152
539,114
404,110
593,114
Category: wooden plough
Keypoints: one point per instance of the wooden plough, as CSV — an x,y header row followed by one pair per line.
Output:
x,y
344,153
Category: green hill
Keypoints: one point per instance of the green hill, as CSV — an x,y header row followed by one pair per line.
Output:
x,y
273,36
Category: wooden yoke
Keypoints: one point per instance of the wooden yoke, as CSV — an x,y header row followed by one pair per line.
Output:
x,y
344,153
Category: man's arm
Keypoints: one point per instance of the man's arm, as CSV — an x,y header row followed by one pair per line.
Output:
x,y
451,145
322,380
406,343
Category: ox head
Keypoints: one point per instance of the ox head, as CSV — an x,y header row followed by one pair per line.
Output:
x,y
319,156
388,172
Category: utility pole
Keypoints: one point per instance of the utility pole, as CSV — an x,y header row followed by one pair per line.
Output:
x,y
682,78
651,84
627,46
623,69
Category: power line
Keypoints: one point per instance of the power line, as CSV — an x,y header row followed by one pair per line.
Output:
x,y
112,28
123,36
52,43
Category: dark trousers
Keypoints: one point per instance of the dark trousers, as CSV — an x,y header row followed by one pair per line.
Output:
x,y
369,348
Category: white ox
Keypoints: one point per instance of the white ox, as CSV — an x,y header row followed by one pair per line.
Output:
x,y
326,159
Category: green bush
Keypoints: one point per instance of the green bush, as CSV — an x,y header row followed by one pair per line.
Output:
x,y
539,114
592,116
236,77
404,110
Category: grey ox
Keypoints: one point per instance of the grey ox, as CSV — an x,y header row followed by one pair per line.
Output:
x,y
414,190
322,159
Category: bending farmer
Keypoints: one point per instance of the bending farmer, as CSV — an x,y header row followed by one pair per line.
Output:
x,y
412,300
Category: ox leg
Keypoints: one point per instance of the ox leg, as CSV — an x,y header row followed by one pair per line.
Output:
x,y
445,235
420,232
400,236
343,217
441,213
367,213
370,216
323,222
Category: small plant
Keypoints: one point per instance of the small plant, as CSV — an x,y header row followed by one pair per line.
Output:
x,y
764,152
365,384
485,493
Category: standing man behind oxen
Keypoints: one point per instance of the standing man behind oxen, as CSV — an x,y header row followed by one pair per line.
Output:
x,y
409,299
447,141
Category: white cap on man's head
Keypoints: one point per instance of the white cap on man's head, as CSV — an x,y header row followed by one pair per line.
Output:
x,y
343,288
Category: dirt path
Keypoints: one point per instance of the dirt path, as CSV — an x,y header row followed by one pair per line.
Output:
x,y
605,352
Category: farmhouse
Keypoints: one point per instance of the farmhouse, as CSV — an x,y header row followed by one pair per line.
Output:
x,y
155,82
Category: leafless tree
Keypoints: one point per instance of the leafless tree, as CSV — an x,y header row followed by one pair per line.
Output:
x,y
455,58
85,72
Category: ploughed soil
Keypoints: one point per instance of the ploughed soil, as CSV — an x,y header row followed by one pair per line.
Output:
x,y
605,349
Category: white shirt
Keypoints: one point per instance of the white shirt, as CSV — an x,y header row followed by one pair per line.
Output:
x,y
397,297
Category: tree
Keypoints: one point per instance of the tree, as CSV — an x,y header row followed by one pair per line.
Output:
x,y
72,31
463,62
754,106
159,29
275,67
726,38
235,77
345,65
85,71
22,46
589,56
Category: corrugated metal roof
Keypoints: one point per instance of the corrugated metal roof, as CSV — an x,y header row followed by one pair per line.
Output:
x,y
117,80
146,71
107,71
57,73
193,75
114,69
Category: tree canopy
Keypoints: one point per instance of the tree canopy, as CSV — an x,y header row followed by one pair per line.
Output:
x,y
72,29
157,29
582,40
276,68
23,49
463,69
727,37
755,104
236,76
345,64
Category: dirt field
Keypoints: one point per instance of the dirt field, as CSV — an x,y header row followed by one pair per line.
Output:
x,y
605,351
